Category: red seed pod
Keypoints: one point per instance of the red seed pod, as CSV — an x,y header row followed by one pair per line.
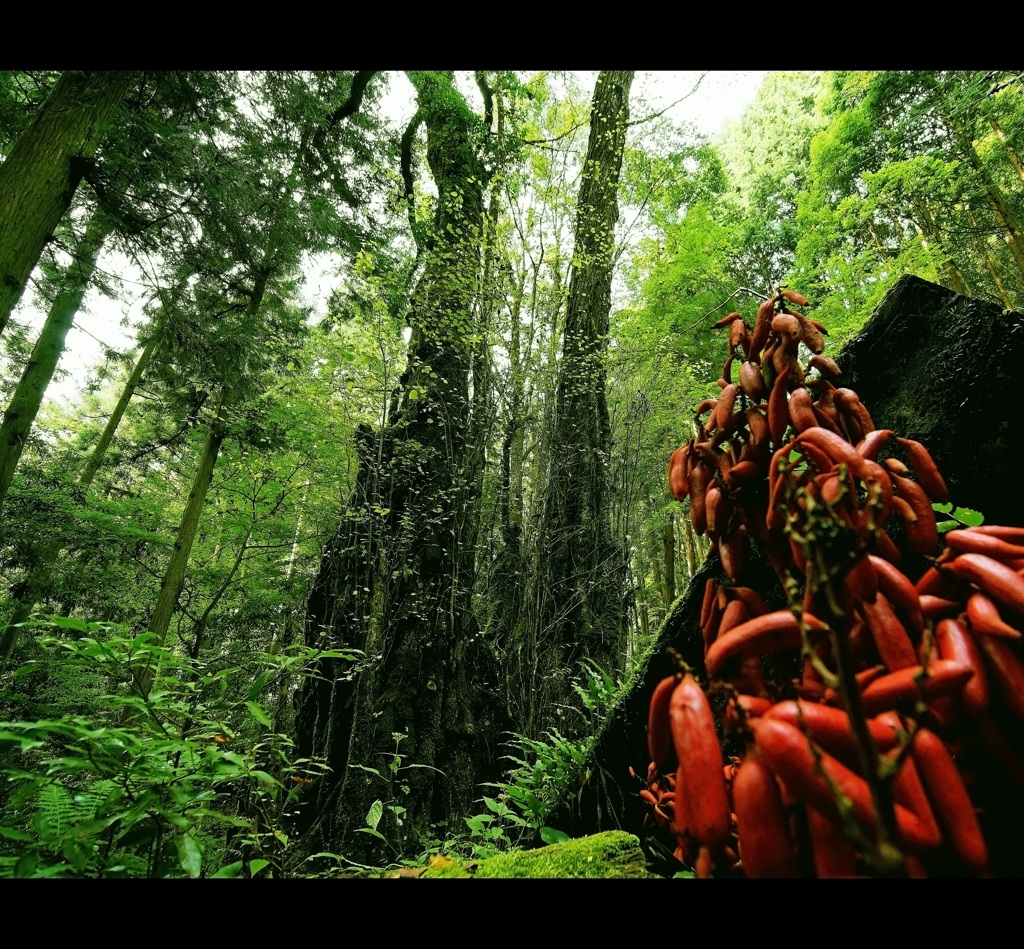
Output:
x,y
699,780
766,845
924,467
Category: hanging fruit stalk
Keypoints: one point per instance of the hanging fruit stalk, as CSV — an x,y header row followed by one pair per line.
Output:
x,y
806,477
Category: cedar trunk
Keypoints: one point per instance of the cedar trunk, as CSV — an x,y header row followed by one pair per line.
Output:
x,y
43,170
580,580
396,579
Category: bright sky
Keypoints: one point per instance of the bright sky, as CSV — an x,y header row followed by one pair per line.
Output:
x,y
720,98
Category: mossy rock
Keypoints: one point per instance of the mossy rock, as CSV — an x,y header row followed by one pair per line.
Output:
x,y
610,854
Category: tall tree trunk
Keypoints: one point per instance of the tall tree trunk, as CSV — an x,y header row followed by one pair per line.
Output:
x,y
987,257
28,395
394,582
579,579
963,137
1011,152
174,577
38,581
669,544
43,170
99,451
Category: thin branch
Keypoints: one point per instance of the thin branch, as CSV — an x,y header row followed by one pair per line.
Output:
x,y
655,115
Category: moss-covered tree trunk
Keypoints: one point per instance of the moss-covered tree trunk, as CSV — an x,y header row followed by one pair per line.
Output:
x,y
578,587
396,581
43,170
28,394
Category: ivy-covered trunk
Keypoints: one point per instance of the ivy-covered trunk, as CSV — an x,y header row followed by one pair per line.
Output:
x,y
410,738
579,575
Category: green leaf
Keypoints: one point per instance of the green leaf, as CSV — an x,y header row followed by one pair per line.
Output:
x,y
13,834
551,836
259,713
256,865
370,830
374,815
230,871
190,854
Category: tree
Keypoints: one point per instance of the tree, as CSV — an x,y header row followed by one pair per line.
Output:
x,y
578,576
396,580
41,174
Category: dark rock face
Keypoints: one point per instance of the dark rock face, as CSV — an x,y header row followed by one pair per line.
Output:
x,y
947,371
931,365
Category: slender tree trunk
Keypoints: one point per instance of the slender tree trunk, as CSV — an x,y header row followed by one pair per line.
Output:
x,y
28,396
580,576
99,451
1003,213
987,257
669,544
38,580
1011,152
43,170
174,577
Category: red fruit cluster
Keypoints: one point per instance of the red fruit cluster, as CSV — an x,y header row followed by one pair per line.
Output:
x,y
850,764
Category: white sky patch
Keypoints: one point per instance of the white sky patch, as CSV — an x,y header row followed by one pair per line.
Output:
x,y
720,97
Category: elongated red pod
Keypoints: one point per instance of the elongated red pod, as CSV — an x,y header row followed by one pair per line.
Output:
x,y
834,855
994,578
862,581
659,732
699,479
937,607
739,335
985,620
886,692
766,846
950,799
838,450
789,754
871,444
713,499
899,590
926,470
678,484
1013,535
710,589
794,297
778,408
956,644
908,791
723,411
973,542
891,640
829,727
732,549
751,380
801,411
922,533
768,633
700,780
1007,670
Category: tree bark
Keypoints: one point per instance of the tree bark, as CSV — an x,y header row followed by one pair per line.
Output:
x,y
579,576
43,170
28,395
38,580
395,581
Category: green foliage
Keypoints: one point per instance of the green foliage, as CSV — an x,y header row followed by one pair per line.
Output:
x,y
167,785
958,517
545,769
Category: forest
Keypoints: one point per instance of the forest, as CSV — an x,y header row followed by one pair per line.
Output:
x,y
321,584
